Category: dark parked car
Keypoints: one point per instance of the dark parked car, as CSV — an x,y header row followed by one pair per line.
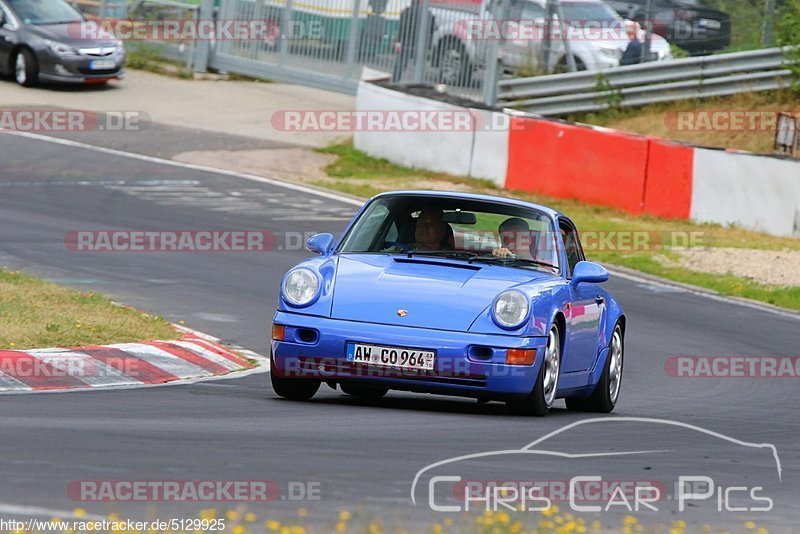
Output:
x,y
686,23
41,40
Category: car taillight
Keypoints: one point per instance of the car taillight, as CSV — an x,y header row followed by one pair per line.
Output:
x,y
278,331
520,356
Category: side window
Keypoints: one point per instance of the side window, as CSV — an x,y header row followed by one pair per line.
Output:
x,y
572,245
392,234
368,226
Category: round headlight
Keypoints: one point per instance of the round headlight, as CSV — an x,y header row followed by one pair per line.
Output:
x,y
510,309
300,287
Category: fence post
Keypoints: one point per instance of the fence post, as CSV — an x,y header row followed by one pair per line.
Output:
x,y
493,66
562,21
648,36
353,39
766,30
286,20
423,35
202,49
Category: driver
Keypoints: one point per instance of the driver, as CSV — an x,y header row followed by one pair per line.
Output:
x,y
430,230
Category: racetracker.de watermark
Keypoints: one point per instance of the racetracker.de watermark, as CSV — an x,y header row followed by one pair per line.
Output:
x,y
539,30
265,30
536,30
397,120
733,366
62,366
724,120
178,240
192,490
72,120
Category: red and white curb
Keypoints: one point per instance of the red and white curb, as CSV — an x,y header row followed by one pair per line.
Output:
x,y
192,358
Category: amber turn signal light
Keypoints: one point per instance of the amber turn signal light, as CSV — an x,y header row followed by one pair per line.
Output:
x,y
520,357
278,331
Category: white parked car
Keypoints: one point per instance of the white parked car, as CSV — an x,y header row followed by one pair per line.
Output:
x,y
595,33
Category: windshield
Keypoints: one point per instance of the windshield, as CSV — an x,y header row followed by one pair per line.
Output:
x,y
41,12
468,230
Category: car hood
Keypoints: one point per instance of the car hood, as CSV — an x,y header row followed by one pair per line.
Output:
x,y
434,293
68,34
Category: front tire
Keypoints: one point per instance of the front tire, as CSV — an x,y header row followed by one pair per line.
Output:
x,y
298,389
543,396
26,69
605,395
562,67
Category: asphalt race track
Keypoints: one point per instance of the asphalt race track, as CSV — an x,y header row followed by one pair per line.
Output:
x,y
362,457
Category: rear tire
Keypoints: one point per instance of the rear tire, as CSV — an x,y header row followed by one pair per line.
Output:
x,y
26,68
453,62
298,389
364,392
605,395
543,396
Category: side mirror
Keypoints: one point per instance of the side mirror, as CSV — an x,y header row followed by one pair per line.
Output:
x,y
320,244
587,271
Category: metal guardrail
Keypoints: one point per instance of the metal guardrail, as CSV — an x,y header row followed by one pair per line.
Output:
x,y
649,83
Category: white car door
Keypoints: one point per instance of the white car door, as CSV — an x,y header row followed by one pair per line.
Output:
x,y
524,30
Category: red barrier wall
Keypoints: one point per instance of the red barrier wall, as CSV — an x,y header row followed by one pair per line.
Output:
x,y
668,187
565,161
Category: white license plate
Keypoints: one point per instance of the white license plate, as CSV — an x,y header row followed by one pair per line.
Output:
x,y
399,357
102,64
710,24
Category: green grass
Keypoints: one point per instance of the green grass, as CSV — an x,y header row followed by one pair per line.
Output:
x,y
356,173
147,57
659,119
35,313
352,163
723,284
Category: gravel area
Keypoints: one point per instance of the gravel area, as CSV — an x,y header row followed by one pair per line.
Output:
x,y
771,267
293,164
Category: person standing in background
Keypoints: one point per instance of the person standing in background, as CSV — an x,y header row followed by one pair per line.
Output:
x,y
633,53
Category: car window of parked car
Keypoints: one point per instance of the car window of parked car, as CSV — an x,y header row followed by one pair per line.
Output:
x,y
589,11
43,12
8,20
532,11
524,10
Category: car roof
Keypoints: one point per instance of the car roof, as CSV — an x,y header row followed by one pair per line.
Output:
x,y
475,196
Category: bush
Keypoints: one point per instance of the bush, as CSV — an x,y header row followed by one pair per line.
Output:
x,y
787,33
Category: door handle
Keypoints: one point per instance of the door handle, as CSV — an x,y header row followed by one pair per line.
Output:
x,y
599,299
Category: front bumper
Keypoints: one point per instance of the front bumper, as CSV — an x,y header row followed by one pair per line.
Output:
x,y
466,364
78,68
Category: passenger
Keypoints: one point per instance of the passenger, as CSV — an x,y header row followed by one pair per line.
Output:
x,y
515,238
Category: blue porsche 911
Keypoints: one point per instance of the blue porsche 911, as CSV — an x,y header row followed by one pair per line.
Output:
x,y
453,294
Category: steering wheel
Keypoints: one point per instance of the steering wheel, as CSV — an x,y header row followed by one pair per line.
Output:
x,y
402,246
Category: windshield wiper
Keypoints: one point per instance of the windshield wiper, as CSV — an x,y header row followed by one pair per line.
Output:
x,y
517,261
453,254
